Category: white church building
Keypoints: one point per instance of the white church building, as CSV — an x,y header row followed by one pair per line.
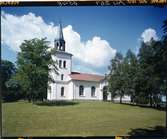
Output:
x,y
71,85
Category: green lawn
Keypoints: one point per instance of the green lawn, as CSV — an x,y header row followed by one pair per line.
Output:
x,y
82,119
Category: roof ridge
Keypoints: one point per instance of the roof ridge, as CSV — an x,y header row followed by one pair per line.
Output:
x,y
86,73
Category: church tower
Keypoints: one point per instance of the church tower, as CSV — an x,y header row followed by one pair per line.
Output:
x,y
59,89
59,42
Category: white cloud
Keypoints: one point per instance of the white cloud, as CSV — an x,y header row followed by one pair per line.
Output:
x,y
95,52
16,29
148,34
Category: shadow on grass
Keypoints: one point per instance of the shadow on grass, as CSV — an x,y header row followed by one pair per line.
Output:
x,y
56,103
9,101
153,131
145,106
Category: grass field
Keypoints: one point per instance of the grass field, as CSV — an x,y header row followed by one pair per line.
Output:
x,y
80,119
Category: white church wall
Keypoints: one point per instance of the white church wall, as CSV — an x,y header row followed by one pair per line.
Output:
x,y
58,93
70,90
59,81
100,94
65,71
109,96
51,92
103,83
55,93
87,90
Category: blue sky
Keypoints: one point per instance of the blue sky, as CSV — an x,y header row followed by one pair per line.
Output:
x,y
121,27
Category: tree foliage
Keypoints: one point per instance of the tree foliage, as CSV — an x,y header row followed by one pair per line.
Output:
x,y
141,76
13,90
8,69
34,64
116,80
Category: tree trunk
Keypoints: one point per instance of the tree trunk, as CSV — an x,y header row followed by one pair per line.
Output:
x,y
133,101
150,100
156,101
29,98
121,99
42,99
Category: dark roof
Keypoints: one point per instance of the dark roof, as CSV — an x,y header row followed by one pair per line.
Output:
x,y
86,77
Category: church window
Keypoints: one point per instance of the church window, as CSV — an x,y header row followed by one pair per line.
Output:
x,y
93,89
81,90
62,91
64,64
60,63
62,76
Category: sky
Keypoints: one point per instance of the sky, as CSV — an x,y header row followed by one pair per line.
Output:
x,y
92,34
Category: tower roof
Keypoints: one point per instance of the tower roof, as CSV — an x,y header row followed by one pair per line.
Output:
x,y
60,32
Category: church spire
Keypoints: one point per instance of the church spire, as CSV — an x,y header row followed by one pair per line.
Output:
x,y
60,32
59,42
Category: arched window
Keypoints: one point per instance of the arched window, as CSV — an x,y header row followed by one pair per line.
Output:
x,y
93,89
81,90
62,91
62,76
60,62
64,64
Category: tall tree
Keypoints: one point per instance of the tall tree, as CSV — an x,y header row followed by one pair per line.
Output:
x,y
163,51
116,78
8,69
143,77
34,64
147,59
162,64
131,72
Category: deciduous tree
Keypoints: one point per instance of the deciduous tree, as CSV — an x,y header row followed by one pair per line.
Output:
x,y
34,64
